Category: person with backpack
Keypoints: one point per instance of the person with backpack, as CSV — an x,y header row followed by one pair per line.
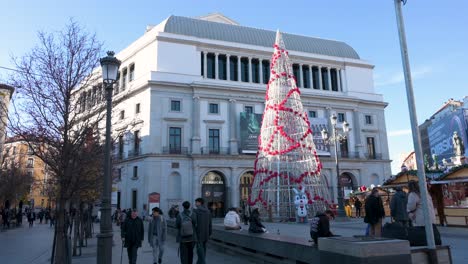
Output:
x,y
186,223
203,228
132,234
157,231
398,207
320,225
232,220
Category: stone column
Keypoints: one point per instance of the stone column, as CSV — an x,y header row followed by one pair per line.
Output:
x,y
320,78
300,82
205,64
6,92
228,68
357,133
216,66
233,143
250,69
329,79
311,78
196,126
239,75
260,70
234,188
338,79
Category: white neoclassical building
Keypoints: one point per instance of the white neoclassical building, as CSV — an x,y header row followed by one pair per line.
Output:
x,y
189,85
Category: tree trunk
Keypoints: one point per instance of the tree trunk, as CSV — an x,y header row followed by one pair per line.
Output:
x,y
61,250
76,225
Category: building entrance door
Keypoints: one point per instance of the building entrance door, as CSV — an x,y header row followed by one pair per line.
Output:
x,y
214,193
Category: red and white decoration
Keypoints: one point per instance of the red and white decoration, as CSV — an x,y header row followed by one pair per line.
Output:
x,y
286,156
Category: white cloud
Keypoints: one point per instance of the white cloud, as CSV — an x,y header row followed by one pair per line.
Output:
x,y
402,132
398,77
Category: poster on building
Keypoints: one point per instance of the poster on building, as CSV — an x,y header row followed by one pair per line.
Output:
x,y
317,124
114,195
441,132
153,201
250,125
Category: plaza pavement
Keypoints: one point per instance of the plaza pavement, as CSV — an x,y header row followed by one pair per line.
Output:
x,y
33,246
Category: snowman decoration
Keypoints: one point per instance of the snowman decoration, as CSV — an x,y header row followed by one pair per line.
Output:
x,y
301,201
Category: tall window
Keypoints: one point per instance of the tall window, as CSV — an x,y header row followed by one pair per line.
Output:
x,y
175,105
135,172
122,114
233,67
124,78
213,108
266,71
296,74
371,148
341,117
30,162
202,59
334,80
344,148
255,71
117,83
222,67
137,142
134,199
245,69
368,120
210,65
312,114
137,108
305,76
175,140
315,77
325,79
248,109
131,75
213,140
121,147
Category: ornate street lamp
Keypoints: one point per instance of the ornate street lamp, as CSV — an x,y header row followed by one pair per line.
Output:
x,y
335,140
110,67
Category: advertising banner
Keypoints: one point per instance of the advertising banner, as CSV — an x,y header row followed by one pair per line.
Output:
x,y
441,132
250,125
153,201
317,125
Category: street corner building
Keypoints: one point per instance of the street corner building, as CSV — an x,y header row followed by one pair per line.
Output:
x,y
190,99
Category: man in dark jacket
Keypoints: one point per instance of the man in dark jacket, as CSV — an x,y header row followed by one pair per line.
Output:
x,y
358,205
320,225
375,213
203,229
398,207
157,234
186,223
132,235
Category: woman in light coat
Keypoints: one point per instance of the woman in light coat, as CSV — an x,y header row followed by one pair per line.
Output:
x,y
414,206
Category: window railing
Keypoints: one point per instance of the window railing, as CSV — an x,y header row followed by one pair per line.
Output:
x,y
348,155
214,151
134,152
373,156
175,150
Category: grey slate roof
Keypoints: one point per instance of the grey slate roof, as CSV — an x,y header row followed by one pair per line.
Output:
x,y
258,37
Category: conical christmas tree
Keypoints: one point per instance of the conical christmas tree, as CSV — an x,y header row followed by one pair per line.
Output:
x,y
287,167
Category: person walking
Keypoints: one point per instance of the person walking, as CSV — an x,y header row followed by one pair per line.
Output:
x,y
157,231
256,225
31,217
398,207
132,235
414,206
375,212
186,223
232,220
203,229
358,206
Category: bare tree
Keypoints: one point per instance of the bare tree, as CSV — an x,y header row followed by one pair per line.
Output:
x,y
49,115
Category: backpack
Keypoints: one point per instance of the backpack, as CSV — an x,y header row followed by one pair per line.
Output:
x,y
186,228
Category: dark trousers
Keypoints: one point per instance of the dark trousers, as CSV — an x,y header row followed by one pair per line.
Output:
x,y
186,252
132,250
201,252
358,212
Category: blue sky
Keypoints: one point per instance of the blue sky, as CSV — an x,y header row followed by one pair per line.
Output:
x,y
436,33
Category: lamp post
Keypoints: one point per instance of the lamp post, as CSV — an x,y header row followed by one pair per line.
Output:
x,y
335,140
110,67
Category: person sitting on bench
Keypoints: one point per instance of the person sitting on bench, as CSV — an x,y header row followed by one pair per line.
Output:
x,y
320,225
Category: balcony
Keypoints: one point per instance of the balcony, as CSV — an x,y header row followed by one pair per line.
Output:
x,y
348,155
373,156
175,150
134,153
214,151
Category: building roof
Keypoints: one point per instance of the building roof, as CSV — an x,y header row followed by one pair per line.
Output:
x,y
258,37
